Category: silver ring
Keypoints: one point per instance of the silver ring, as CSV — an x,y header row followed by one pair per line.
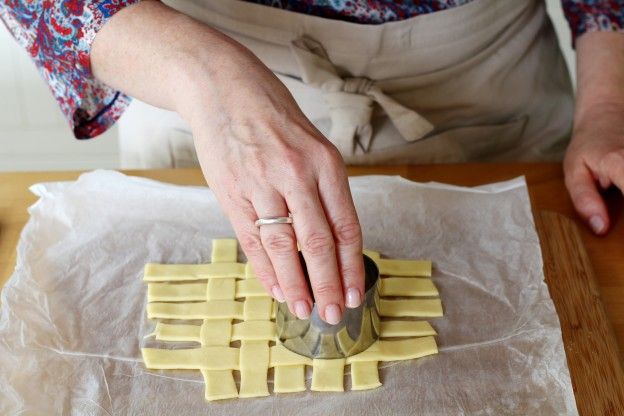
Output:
x,y
273,220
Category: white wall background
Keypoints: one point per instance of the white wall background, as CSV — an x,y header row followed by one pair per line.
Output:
x,y
34,135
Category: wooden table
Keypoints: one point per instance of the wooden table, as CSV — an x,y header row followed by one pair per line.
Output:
x,y
606,254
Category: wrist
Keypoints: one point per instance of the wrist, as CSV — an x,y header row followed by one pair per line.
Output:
x,y
600,67
588,113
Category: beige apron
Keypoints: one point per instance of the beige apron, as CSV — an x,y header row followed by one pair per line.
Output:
x,y
485,81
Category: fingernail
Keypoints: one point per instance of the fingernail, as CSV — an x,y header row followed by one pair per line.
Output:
x,y
302,309
353,298
278,294
332,314
597,224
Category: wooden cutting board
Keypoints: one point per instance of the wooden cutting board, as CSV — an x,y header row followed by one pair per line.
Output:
x,y
589,341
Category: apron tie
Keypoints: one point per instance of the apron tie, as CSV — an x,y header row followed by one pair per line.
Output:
x,y
350,101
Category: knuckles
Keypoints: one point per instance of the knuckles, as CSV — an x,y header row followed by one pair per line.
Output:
x,y
280,243
319,244
250,243
325,290
353,274
348,233
294,290
266,279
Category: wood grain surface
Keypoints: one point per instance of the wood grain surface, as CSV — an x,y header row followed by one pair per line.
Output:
x,y
591,348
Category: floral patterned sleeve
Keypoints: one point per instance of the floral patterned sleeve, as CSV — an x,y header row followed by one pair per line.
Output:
x,y
594,15
58,36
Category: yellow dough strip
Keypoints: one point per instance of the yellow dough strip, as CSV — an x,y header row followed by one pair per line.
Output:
x,y
265,330
405,349
410,307
179,333
212,309
254,365
289,378
209,358
364,375
219,384
396,267
404,267
221,289
257,330
280,355
224,250
216,332
189,292
328,375
243,331
183,292
180,272
254,331
407,286
406,329
258,309
249,288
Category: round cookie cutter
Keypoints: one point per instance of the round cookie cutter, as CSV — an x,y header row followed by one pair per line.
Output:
x,y
315,338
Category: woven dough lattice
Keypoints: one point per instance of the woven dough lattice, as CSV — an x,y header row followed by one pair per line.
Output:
x,y
238,331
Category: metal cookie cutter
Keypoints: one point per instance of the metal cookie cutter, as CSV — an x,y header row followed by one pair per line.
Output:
x,y
315,338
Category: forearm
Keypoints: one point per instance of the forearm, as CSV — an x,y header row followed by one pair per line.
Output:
x,y
164,58
260,154
600,72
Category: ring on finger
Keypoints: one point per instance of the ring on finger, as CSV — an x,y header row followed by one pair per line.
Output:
x,y
273,220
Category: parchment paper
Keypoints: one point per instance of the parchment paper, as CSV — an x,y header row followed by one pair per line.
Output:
x,y
71,313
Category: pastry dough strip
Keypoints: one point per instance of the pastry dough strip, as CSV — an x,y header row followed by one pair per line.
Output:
x,y
266,330
254,366
406,329
364,375
189,292
404,267
219,384
224,250
407,286
181,272
209,358
429,308
289,378
328,375
211,309
404,349
247,288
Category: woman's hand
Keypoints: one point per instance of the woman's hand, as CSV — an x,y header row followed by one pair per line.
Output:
x,y
595,161
595,157
259,153
262,157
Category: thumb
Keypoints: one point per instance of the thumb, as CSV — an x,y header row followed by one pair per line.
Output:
x,y
586,199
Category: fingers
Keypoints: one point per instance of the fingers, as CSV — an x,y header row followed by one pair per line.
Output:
x,y
338,205
319,250
280,244
243,216
586,198
612,170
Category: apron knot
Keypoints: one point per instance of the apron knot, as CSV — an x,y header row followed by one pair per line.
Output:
x,y
357,85
350,101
